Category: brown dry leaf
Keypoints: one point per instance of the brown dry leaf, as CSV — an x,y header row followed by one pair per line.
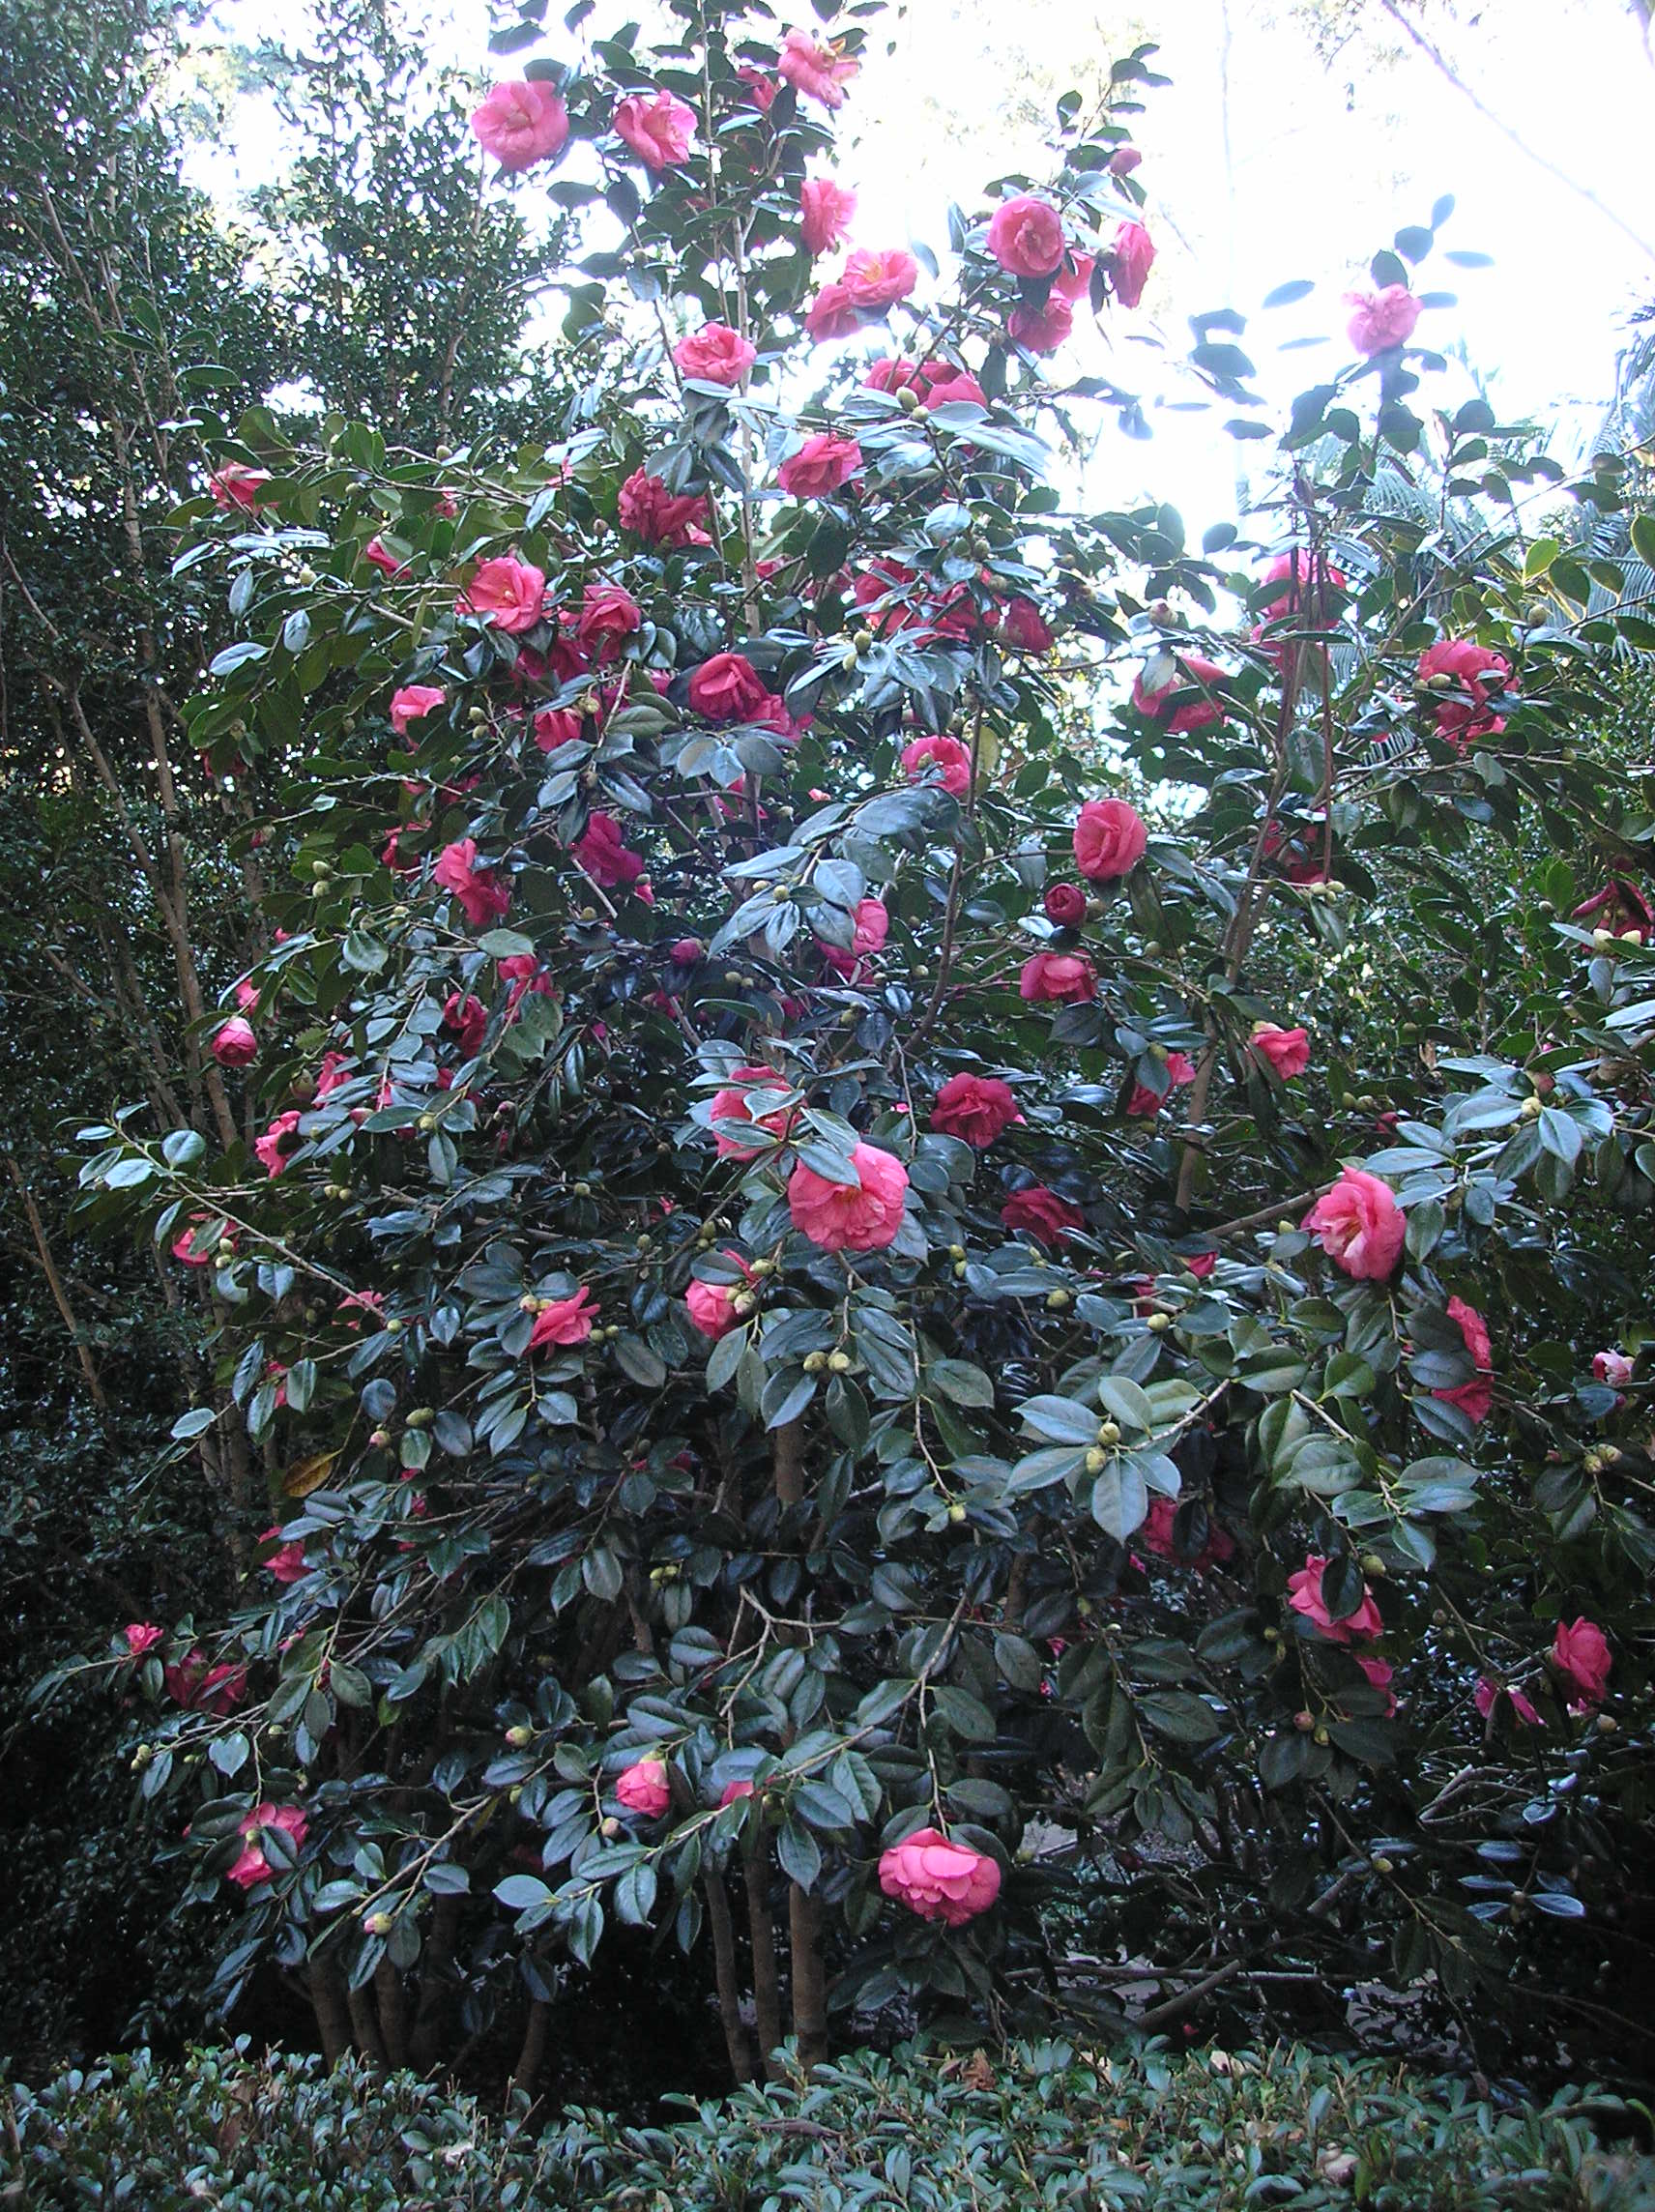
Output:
x,y
977,2073
307,1474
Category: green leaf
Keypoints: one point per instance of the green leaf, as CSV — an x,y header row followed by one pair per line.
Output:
x,y
1060,1420
1119,1500
963,1384
519,1891
1179,1714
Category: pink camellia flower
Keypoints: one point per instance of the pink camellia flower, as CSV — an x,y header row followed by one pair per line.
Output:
x,y
1073,281
1064,977
877,278
1131,258
938,1880
827,210
1359,1225
524,974
734,1792
234,1044
762,90
467,1019
1124,161
331,1073
507,592
183,1246
938,384
715,353
851,1217
1298,856
235,485
288,1562
608,618
1156,699
1025,627
274,1149
820,465
1478,675
1380,1673
1381,319
643,1787
1620,907
872,926
1611,1367
728,688
816,67
1042,330
1284,1051
832,313
378,555
1143,1103
1488,1690
1065,905
1040,1214
556,726
1580,1654
1474,1398
1199,1264
1297,569
976,1107
413,703
1110,839
1156,1535
712,1305
660,131
1306,1588
1025,236
604,854
956,389
481,894
944,756
657,516
731,1105
248,995
521,124
142,1635
252,1867
563,1321
192,1682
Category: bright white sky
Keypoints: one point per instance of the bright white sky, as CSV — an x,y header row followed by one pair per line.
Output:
x,y
1328,155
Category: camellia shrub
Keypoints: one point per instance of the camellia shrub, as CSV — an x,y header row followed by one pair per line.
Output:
x,y
836,1364
1044,2124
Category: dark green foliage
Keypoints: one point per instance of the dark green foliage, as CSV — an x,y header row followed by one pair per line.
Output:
x,y
405,285
1039,2126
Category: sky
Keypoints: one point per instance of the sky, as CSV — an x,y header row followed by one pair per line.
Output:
x,y
1296,137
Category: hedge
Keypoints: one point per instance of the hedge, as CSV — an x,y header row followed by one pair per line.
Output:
x,y
1038,2125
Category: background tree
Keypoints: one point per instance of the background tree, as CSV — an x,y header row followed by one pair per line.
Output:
x,y
837,1376
136,321
409,288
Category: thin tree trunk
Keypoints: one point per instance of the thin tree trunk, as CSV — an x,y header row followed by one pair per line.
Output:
x,y
790,1464
392,2012
724,1966
809,1978
364,2025
435,1992
332,2015
60,1296
532,2056
766,1988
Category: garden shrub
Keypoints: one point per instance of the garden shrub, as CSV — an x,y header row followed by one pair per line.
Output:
x,y
905,1221
1034,2126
